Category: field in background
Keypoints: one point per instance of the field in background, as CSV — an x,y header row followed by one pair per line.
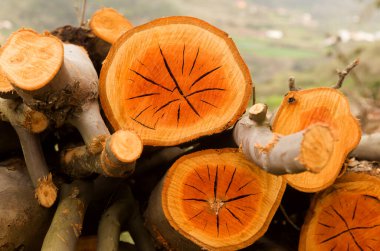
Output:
x,y
277,39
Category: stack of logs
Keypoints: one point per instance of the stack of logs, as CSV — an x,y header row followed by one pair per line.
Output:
x,y
178,88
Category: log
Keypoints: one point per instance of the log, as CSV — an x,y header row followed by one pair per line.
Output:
x,y
346,216
66,226
215,200
302,108
174,88
308,150
23,222
124,211
108,24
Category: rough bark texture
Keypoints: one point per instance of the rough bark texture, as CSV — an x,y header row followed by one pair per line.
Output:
x,y
23,222
66,226
213,199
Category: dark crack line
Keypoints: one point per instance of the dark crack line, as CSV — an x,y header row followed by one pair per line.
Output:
x,y
151,81
165,105
233,215
138,115
195,199
142,124
158,119
204,227
325,225
216,182
178,114
144,95
246,184
240,197
204,101
195,188
208,172
183,57
197,215
341,217
228,230
229,184
217,224
195,60
204,90
203,76
198,175
356,205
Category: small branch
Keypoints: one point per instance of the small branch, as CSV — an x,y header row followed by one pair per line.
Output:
x,y
368,148
342,74
294,225
83,13
124,211
292,84
258,113
117,157
67,223
308,150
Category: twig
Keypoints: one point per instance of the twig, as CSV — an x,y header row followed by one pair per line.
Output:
x,y
342,74
84,5
287,218
292,84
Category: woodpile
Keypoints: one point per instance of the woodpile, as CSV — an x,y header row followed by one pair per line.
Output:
x,y
112,130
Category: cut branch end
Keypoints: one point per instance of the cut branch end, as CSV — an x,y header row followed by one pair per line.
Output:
x,y
46,191
292,84
258,112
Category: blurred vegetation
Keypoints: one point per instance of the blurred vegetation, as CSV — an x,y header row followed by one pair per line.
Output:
x,y
301,51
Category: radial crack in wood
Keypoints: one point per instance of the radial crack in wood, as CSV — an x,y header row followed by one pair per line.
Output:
x,y
174,88
302,108
215,200
109,25
345,216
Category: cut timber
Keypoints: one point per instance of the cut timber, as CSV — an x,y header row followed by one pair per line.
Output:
x,y
173,80
23,222
31,60
346,216
109,25
215,200
308,150
299,110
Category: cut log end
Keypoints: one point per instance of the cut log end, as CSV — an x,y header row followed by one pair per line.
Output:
x,y
109,25
31,60
316,147
258,112
174,88
219,200
122,150
126,146
346,216
46,191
